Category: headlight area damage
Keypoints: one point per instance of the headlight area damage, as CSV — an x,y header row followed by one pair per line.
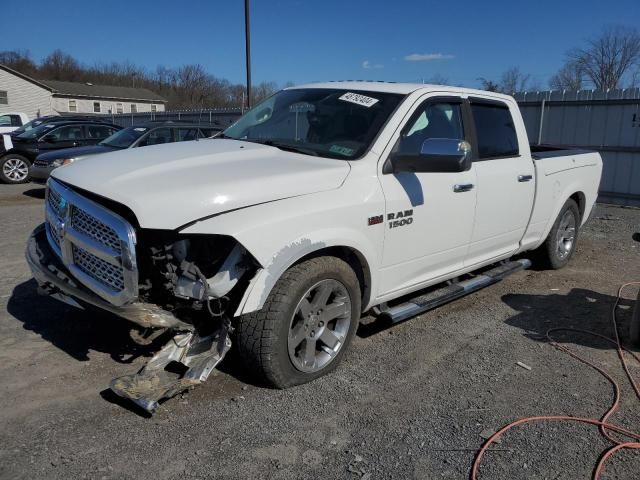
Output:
x,y
188,285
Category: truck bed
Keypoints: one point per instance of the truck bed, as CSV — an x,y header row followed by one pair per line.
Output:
x,y
539,152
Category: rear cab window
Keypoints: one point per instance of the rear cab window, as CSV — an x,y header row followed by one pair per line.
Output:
x,y
495,130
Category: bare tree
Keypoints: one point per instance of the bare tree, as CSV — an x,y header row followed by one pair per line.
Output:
x,y
60,66
438,79
513,80
19,60
569,77
609,56
488,85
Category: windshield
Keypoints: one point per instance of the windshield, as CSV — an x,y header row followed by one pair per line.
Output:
x,y
317,121
36,131
124,138
29,125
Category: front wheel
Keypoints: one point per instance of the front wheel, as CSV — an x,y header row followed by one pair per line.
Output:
x,y
14,169
558,248
305,325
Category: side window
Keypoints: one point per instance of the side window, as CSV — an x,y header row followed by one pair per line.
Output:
x,y
157,137
16,121
99,131
68,133
5,120
186,134
433,119
495,130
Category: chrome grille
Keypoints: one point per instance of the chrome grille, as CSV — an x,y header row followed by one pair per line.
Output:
x,y
96,245
53,199
94,228
109,275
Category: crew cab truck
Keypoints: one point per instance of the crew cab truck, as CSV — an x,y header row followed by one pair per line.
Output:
x,y
322,202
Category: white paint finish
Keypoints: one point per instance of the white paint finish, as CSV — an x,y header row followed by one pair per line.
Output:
x,y
504,204
282,206
414,254
24,96
6,129
169,185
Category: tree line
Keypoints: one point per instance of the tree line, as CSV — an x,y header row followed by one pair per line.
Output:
x,y
185,87
608,60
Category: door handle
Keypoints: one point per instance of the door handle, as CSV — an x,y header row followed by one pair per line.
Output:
x,y
462,187
525,178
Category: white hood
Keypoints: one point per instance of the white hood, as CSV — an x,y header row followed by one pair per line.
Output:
x,y
167,186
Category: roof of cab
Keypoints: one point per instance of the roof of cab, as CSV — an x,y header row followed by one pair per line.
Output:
x,y
392,87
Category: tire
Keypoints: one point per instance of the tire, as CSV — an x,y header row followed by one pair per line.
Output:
x,y
558,248
284,347
14,169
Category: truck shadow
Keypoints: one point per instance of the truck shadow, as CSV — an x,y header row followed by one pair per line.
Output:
x,y
580,308
74,331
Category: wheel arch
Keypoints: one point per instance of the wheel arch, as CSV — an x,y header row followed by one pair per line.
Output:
x,y
265,279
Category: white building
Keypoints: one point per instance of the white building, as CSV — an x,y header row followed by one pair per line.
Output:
x,y
21,93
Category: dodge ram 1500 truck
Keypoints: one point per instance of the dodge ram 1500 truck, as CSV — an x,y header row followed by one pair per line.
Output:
x,y
322,202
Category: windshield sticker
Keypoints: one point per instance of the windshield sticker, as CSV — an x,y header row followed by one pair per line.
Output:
x,y
347,152
140,129
359,99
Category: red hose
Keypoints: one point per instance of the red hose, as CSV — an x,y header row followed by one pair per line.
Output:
x,y
604,426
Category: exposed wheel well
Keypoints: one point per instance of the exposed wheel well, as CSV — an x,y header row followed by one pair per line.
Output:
x,y
581,200
355,260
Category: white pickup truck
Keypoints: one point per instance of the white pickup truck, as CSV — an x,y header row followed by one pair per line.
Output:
x,y
10,121
323,202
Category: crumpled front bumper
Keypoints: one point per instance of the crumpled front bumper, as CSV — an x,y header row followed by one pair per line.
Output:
x,y
56,281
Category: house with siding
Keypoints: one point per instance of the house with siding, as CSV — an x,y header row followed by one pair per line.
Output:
x,y
21,93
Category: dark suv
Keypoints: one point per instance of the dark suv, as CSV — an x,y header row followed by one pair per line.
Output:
x,y
152,133
16,162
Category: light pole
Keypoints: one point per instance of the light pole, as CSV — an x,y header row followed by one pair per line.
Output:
x,y
247,38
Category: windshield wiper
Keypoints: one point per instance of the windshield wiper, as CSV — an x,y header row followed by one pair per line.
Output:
x,y
289,148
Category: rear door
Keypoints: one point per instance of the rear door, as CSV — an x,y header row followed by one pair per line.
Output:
x,y
96,133
505,179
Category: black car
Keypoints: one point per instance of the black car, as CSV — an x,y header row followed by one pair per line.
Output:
x,y
152,133
48,136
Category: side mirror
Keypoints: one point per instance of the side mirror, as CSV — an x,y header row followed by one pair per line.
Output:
x,y
436,155
50,139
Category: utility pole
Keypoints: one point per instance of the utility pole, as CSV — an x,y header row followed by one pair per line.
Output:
x,y
247,37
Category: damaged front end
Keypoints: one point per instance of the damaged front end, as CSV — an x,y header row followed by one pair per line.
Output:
x,y
89,256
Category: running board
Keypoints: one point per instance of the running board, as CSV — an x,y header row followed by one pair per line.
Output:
x,y
443,295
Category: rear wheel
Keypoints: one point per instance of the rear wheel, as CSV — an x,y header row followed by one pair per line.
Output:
x,y
560,245
14,169
306,324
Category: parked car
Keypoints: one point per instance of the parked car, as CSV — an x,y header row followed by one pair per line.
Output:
x,y
153,133
16,162
322,202
7,143
10,121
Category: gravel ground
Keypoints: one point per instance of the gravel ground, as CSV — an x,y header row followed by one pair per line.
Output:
x,y
413,401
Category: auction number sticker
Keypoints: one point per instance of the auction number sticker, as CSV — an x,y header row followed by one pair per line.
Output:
x,y
359,99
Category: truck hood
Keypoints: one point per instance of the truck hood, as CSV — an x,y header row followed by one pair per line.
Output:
x,y
167,186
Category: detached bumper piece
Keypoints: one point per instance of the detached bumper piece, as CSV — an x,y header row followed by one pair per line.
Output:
x,y
184,362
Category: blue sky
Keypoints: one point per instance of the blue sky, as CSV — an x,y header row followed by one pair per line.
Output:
x,y
304,40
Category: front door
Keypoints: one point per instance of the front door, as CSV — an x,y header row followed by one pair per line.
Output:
x,y
62,137
429,216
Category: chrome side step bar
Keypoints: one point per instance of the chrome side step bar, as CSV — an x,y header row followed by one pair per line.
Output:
x,y
431,300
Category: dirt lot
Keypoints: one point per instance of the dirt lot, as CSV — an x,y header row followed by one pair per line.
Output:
x,y
413,401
